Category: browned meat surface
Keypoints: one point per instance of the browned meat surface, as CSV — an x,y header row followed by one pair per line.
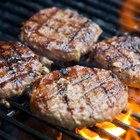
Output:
x,y
122,56
19,67
60,35
78,96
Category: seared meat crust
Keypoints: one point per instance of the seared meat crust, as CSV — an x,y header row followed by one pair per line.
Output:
x,y
19,67
78,97
60,35
122,56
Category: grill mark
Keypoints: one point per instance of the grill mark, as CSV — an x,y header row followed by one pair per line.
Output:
x,y
87,76
70,39
76,33
132,41
39,25
15,83
11,67
61,22
121,54
112,58
13,76
98,84
98,47
111,91
94,87
62,92
57,92
120,46
132,66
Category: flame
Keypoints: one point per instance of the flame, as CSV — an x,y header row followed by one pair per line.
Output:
x,y
111,128
129,16
108,126
134,100
88,134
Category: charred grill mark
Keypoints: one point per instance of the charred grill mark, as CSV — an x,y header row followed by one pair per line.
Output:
x,y
119,54
62,87
118,45
17,66
39,25
45,24
133,44
76,33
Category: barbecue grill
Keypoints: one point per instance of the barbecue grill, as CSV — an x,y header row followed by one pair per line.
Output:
x,y
12,14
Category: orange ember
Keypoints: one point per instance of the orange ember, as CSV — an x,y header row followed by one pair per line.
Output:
x,y
130,16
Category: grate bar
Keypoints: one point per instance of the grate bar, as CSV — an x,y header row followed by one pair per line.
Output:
x,y
120,3
6,136
125,126
5,28
102,23
29,5
104,134
64,130
23,127
105,7
137,116
17,10
97,13
5,36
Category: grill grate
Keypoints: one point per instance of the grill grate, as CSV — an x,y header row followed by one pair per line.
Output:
x,y
14,13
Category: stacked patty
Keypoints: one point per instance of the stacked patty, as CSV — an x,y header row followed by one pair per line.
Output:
x,y
19,67
122,56
60,35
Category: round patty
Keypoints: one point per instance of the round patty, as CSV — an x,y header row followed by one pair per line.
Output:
x,y
78,97
61,35
122,56
19,67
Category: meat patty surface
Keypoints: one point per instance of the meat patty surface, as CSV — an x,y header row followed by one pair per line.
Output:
x,y
60,35
19,67
78,97
122,56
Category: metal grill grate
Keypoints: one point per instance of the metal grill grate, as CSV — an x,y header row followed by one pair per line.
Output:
x,y
13,14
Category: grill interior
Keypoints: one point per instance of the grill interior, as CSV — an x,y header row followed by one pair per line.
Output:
x,y
13,14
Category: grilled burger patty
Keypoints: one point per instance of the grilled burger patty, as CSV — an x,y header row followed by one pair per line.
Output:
x,y
78,96
60,35
19,67
122,56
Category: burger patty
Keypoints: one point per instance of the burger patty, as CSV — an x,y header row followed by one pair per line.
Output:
x,y
60,35
78,97
19,67
122,56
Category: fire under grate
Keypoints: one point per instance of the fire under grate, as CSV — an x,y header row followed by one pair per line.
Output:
x,y
13,14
